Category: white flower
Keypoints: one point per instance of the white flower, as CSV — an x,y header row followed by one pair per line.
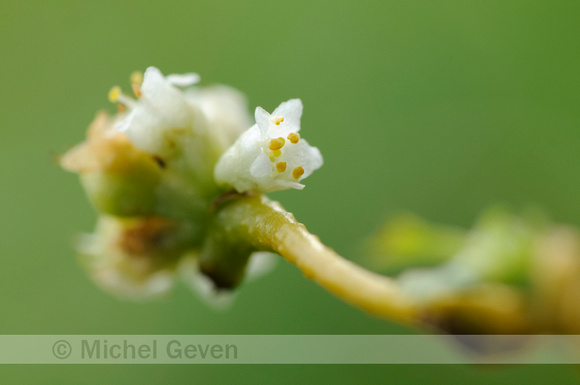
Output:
x,y
196,124
270,156
161,111
225,109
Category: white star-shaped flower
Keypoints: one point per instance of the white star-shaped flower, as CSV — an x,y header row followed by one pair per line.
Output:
x,y
270,156
161,111
170,112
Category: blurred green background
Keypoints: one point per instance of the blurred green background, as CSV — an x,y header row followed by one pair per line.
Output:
x,y
435,107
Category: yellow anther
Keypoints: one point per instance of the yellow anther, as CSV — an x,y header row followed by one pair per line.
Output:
x,y
297,172
114,94
277,153
281,166
136,90
272,158
137,77
294,137
276,144
278,119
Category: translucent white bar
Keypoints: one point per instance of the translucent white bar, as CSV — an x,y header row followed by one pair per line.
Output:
x,y
288,349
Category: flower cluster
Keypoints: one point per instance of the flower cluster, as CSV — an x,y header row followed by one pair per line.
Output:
x,y
156,169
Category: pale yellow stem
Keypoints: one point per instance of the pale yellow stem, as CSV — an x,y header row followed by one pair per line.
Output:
x,y
371,292
268,227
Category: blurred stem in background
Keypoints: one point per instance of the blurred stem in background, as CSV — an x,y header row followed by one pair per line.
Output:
x,y
512,274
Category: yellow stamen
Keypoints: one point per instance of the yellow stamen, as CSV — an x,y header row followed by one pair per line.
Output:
x,y
136,90
278,120
277,153
114,94
297,172
121,108
276,144
137,77
281,166
272,158
294,137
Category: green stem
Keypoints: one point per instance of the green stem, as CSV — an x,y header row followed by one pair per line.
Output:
x,y
265,225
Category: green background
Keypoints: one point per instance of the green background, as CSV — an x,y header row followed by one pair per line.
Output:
x,y
435,107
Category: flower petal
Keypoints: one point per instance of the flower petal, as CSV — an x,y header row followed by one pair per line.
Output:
x,y
262,120
183,80
291,111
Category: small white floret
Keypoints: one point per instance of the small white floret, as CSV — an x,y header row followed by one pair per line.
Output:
x,y
271,155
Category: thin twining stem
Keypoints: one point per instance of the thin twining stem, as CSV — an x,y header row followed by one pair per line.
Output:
x,y
267,226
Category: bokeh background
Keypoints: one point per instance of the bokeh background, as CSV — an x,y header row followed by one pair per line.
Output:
x,y
435,107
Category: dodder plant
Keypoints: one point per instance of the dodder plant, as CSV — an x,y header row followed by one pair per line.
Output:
x,y
179,174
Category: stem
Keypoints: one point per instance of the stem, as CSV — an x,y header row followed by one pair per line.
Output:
x,y
266,226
